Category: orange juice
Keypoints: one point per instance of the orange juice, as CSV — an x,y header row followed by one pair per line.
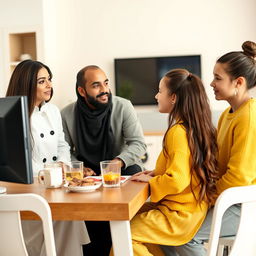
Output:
x,y
111,173
111,178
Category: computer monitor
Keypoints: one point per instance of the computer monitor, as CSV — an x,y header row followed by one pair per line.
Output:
x,y
15,148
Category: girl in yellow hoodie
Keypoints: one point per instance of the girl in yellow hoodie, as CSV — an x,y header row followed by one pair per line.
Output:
x,y
234,74
183,183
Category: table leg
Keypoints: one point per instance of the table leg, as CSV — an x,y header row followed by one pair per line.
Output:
x,y
121,238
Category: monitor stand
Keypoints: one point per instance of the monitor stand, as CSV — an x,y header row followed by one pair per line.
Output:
x,y
2,190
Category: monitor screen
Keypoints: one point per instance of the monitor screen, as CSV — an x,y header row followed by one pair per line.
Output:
x,y
15,149
137,79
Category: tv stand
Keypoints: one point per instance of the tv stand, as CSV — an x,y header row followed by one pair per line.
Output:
x,y
2,190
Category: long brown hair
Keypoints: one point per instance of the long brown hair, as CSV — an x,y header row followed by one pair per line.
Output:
x,y
23,81
192,110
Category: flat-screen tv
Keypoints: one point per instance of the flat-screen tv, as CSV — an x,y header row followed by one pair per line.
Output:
x,y
137,79
15,148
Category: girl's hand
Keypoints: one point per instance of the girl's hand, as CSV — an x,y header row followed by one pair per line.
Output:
x,y
142,178
151,173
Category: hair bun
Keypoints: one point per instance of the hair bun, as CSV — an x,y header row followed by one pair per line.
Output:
x,y
249,48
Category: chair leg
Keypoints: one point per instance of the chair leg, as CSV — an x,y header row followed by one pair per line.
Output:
x,y
223,250
229,248
220,250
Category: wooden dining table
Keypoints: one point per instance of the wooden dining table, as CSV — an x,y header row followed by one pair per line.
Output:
x,y
116,205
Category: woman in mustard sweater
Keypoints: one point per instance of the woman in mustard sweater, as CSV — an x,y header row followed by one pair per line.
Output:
x,y
183,183
234,74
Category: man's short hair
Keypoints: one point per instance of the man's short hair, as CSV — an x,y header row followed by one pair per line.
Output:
x,y
80,79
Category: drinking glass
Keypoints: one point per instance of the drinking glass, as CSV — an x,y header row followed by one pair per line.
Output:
x,y
74,169
111,173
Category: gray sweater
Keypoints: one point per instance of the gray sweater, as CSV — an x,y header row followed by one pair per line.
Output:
x,y
129,141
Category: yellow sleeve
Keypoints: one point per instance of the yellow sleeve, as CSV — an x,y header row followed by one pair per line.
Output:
x,y
241,167
176,176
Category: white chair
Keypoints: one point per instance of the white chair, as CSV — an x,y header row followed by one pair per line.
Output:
x,y
11,235
244,242
225,243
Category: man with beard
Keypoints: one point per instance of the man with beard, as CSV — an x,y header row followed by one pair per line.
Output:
x,y
100,126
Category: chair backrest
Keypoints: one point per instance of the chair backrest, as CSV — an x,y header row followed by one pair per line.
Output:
x,y
11,235
244,243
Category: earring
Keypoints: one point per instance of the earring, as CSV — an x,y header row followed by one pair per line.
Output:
x,y
236,92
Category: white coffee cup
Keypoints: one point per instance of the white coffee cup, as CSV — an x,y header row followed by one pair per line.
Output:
x,y
51,176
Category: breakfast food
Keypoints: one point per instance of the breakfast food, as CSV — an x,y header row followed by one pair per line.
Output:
x,y
111,178
82,182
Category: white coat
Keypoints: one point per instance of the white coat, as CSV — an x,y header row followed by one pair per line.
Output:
x,y
47,141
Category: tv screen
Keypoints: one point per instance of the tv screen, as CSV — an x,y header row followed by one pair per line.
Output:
x,y
137,79
15,150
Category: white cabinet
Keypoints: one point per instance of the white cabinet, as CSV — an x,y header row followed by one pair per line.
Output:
x,y
154,147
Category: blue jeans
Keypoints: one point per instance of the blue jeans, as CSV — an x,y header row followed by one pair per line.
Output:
x,y
195,247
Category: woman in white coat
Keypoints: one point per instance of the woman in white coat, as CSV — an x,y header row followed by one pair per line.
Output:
x,y
33,79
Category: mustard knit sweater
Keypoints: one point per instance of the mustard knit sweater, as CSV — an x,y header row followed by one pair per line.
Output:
x,y
237,144
171,184
179,214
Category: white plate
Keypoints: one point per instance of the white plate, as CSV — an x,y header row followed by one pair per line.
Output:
x,y
83,188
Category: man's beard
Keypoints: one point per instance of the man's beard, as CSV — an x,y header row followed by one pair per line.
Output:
x,y
95,103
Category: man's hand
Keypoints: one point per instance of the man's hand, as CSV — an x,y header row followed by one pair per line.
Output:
x,y
88,172
119,160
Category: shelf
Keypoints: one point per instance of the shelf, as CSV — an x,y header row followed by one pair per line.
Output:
x,y
25,41
20,44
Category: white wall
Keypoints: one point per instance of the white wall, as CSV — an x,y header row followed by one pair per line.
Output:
x,y
13,14
96,32
20,13
82,32
2,90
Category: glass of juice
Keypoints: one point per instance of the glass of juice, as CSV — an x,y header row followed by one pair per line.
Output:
x,y
111,173
74,169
